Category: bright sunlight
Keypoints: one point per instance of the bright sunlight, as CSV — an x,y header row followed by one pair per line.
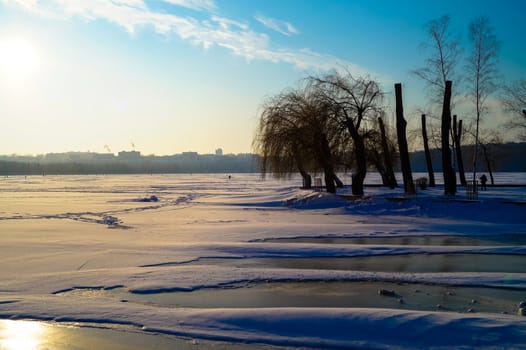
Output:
x,y
21,335
18,58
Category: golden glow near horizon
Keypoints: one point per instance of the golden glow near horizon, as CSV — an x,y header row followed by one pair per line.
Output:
x,y
18,58
21,335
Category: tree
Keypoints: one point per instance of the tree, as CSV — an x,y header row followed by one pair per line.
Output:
x,y
457,140
445,53
388,151
489,142
355,101
295,131
381,152
439,68
280,141
514,102
481,71
401,124
427,153
450,186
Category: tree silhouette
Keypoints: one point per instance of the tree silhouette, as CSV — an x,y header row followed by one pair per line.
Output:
x,y
514,102
295,132
354,101
450,187
444,56
401,124
457,141
481,70
427,152
381,153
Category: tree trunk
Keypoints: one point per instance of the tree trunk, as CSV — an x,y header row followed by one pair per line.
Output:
x,y
358,176
328,167
385,178
488,164
390,179
457,136
460,158
429,162
329,181
307,180
361,167
338,182
450,183
401,124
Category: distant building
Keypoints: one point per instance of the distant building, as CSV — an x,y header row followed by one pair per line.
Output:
x,y
69,157
103,156
190,154
129,155
219,152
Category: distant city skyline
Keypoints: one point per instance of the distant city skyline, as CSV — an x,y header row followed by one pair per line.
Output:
x,y
124,152
170,76
509,157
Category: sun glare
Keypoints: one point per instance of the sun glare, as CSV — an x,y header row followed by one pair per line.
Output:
x,y
18,58
21,335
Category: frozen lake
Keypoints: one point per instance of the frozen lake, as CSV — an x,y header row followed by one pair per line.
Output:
x,y
334,294
391,263
410,240
211,262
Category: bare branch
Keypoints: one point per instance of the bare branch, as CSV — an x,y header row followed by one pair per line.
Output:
x,y
444,56
514,102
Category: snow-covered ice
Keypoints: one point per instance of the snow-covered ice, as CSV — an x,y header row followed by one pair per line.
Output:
x,y
59,233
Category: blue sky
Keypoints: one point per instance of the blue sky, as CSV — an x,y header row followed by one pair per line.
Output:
x,y
177,75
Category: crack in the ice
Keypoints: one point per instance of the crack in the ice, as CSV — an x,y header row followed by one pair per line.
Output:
x,y
82,265
106,217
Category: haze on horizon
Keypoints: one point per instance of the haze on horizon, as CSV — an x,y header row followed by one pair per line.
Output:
x,y
169,76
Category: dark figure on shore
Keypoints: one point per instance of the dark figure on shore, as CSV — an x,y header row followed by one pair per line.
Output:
x,y
483,180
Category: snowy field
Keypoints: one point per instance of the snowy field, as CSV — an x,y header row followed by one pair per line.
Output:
x,y
264,263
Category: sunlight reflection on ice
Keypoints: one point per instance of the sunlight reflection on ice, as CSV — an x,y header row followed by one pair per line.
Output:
x,y
21,335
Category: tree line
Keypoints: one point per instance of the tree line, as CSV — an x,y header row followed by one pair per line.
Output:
x,y
337,121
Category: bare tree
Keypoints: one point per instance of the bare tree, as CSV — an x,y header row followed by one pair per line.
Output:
x,y
295,131
388,150
427,153
401,124
481,71
381,152
457,141
489,142
450,187
444,56
440,67
356,100
514,102
280,141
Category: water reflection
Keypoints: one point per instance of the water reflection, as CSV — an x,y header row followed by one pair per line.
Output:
x,y
508,239
329,294
22,335
386,263
35,335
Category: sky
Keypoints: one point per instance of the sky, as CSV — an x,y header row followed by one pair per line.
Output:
x,y
170,76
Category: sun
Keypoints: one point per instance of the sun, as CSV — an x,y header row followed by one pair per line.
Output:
x,y
19,58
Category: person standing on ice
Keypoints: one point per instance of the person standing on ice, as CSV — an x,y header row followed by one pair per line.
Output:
x,y
483,180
